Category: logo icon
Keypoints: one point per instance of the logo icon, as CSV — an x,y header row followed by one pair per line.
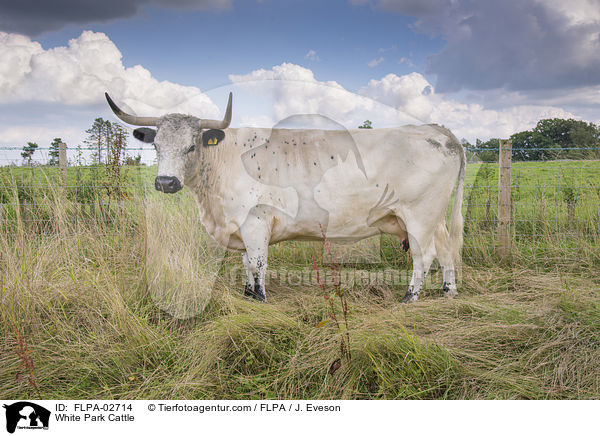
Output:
x,y
26,415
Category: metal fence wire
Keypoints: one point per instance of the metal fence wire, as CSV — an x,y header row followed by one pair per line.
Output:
x,y
554,204
554,208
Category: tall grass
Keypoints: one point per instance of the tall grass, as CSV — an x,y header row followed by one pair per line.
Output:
x,y
127,301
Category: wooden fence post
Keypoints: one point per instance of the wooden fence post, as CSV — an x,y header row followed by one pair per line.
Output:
x,y
62,162
504,199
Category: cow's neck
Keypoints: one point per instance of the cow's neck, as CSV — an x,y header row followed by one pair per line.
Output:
x,y
203,178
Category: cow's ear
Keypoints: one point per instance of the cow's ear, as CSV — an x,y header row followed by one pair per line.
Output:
x,y
144,134
212,137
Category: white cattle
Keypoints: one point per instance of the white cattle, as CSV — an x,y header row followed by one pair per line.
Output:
x,y
255,187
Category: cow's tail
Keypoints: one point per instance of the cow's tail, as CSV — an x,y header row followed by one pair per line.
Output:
x,y
456,220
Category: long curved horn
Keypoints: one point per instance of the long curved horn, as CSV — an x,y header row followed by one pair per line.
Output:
x,y
216,124
130,119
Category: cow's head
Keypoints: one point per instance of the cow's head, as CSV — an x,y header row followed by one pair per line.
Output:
x,y
177,138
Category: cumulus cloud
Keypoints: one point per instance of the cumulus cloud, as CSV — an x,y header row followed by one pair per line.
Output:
x,y
413,94
80,73
410,93
37,133
257,121
389,101
17,135
473,121
293,89
515,44
34,17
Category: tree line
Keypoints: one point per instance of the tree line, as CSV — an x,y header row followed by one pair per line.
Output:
x,y
551,138
31,147
107,140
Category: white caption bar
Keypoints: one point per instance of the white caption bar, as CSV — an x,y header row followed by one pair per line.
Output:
x,y
291,417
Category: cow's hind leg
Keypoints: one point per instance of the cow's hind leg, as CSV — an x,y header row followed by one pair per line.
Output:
x,y
256,235
423,252
444,255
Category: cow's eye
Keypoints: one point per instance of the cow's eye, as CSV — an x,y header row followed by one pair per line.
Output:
x,y
192,148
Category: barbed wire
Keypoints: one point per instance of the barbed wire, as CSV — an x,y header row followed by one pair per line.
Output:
x,y
80,148
534,148
15,148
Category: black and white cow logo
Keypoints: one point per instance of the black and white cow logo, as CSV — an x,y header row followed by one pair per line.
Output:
x,y
26,415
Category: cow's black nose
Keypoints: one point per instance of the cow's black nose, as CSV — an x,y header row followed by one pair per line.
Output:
x,y
167,184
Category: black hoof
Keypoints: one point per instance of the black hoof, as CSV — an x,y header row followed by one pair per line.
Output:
x,y
408,298
405,245
449,293
250,292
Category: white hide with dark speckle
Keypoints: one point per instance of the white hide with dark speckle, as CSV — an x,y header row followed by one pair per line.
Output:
x,y
261,186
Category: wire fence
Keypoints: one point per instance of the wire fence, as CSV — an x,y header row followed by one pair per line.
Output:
x,y
554,213
554,204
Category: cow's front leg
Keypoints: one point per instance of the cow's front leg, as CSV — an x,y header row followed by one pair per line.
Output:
x,y
249,287
256,235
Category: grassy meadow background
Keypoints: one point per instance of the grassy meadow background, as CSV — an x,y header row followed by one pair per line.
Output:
x,y
109,290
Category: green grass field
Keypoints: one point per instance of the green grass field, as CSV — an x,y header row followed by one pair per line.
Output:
x,y
123,296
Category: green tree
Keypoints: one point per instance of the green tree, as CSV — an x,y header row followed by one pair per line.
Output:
x,y
134,160
585,135
28,151
366,125
562,134
487,151
116,143
467,146
531,145
569,133
53,153
108,140
79,159
97,139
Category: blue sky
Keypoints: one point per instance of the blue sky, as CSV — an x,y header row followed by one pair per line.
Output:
x,y
201,48
483,68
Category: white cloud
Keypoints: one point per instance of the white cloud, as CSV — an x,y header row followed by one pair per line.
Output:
x,y
391,100
413,94
293,90
256,121
80,73
56,91
375,62
36,133
18,135
409,93
472,121
311,55
576,11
